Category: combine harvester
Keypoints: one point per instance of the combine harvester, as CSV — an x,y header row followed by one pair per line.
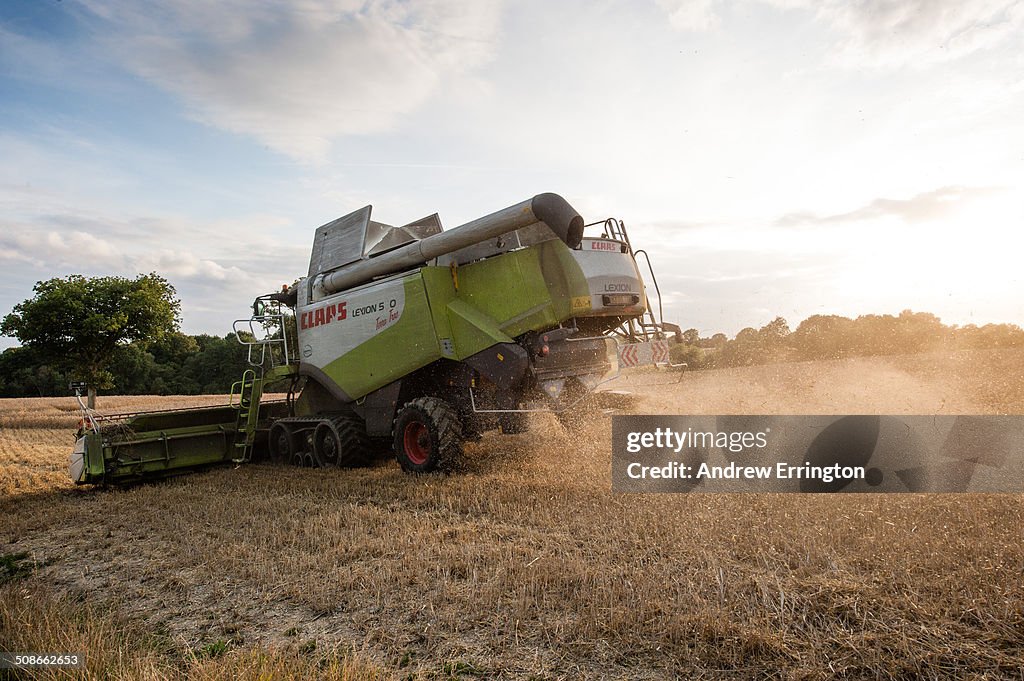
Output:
x,y
412,339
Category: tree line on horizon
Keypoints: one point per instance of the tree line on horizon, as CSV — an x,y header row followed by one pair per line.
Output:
x,y
823,337
181,364
122,335
177,364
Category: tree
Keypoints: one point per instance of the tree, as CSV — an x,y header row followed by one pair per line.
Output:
x,y
691,336
771,342
747,335
218,363
823,337
79,323
690,355
23,374
774,332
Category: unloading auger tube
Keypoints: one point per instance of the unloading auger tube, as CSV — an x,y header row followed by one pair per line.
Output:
x,y
551,209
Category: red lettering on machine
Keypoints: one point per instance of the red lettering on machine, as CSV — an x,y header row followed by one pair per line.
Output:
x,y
323,315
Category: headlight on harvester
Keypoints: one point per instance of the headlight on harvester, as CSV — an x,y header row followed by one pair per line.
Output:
x,y
619,299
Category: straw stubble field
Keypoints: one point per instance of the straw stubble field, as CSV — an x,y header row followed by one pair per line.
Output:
x,y
523,565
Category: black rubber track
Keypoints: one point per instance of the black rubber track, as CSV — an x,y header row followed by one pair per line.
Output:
x,y
353,444
352,440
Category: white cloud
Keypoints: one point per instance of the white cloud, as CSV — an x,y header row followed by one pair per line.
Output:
x,y
886,33
45,249
214,282
923,207
297,76
691,15
57,249
178,264
921,32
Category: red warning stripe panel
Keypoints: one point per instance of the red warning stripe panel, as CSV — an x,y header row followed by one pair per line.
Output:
x,y
640,354
659,351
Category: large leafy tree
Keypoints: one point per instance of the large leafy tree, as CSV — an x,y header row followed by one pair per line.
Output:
x,y
78,323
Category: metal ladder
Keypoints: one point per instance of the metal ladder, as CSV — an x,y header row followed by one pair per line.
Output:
x,y
269,328
249,390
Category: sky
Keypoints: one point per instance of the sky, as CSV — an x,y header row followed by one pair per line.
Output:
x,y
774,157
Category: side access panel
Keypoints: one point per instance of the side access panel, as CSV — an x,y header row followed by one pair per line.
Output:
x,y
357,341
492,301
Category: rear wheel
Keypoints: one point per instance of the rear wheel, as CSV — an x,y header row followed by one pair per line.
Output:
x,y
427,436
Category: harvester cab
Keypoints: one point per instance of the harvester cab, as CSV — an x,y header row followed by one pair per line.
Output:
x,y
416,338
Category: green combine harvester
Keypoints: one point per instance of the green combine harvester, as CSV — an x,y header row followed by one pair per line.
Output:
x,y
408,339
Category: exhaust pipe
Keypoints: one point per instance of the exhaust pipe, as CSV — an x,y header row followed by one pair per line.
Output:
x,y
551,209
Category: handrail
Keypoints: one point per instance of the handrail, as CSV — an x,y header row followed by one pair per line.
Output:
x,y
267,322
661,313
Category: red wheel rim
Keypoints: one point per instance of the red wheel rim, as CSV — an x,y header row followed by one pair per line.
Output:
x,y
416,440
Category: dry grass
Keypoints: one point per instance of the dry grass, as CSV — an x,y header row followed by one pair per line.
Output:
x,y
63,412
525,564
32,619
